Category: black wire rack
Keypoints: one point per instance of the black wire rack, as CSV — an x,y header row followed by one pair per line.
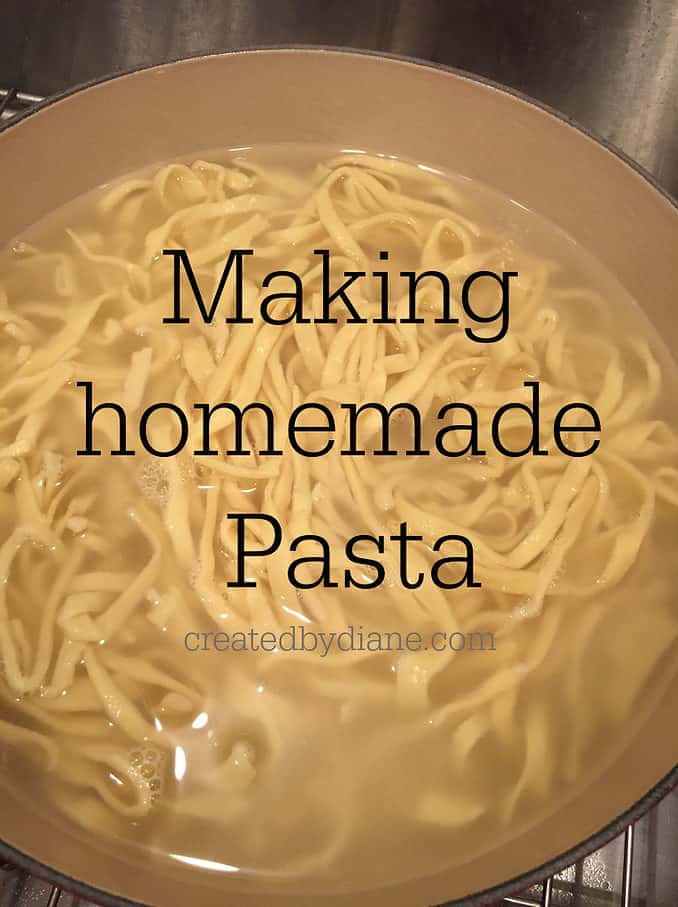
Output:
x,y
638,869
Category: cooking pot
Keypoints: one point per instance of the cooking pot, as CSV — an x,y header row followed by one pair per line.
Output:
x,y
402,107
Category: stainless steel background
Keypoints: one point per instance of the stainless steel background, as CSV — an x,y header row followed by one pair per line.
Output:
x,y
612,65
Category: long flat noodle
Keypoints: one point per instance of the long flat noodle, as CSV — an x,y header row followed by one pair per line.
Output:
x,y
52,382
8,552
63,676
75,616
220,381
135,274
75,728
197,360
80,697
28,505
136,379
433,252
47,624
63,342
430,525
11,658
94,767
114,618
302,503
240,237
466,737
450,810
335,226
14,735
532,545
119,708
186,183
536,776
666,484
414,672
14,450
217,604
571,530
130,666
177,515
120,193
630,537
335,361
234,471
505,679
156,239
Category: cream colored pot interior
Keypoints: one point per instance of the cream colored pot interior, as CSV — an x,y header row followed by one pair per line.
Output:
x,y
355,101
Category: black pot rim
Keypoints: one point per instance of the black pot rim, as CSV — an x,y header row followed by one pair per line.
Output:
x,y
605,834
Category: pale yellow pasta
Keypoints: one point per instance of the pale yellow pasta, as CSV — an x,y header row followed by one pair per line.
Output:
x,y
108,565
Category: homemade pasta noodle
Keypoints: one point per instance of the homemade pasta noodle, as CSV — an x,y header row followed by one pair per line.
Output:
x,y
347,766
